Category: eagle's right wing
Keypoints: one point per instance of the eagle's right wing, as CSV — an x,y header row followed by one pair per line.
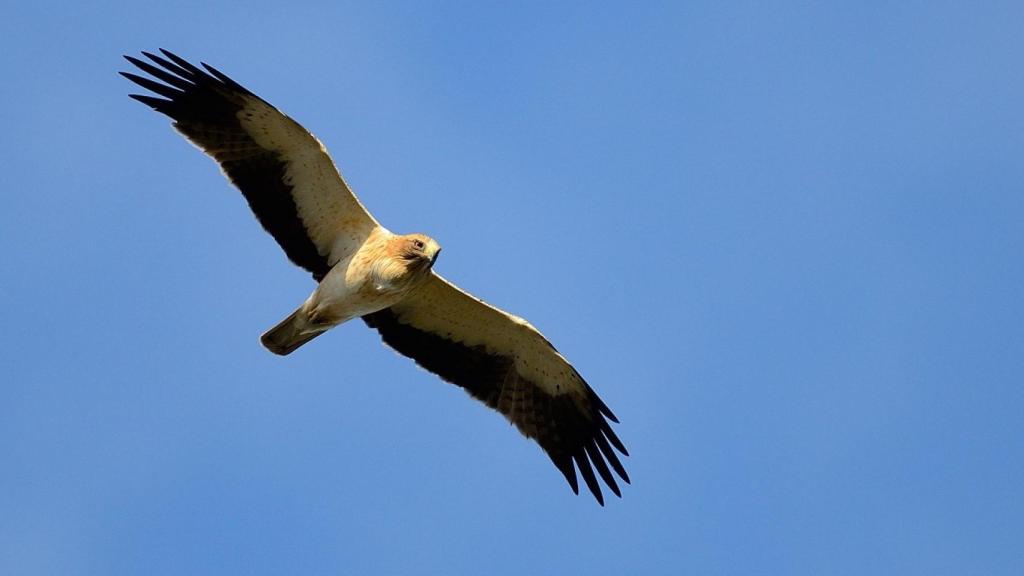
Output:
x,y
503,361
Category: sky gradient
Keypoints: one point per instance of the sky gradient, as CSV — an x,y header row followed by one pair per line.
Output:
x,y
782,241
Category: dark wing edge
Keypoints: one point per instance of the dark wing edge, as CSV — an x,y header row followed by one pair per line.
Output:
x,y
568,433
204,105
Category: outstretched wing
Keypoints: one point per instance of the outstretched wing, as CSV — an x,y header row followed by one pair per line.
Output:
x,y
283,171
506,363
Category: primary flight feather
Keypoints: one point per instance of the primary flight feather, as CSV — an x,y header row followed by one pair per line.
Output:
x,y
364,270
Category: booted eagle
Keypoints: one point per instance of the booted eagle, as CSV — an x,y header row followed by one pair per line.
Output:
x,y
363,270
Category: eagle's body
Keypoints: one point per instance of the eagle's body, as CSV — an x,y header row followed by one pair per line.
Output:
x,y
379,274
363,270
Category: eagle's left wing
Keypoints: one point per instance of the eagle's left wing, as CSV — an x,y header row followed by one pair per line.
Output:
x,y
503,361
283,171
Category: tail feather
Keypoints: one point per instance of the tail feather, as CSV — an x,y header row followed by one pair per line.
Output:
x,y
289,334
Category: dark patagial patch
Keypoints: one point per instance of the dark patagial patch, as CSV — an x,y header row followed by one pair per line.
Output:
x,y
568,433
204,105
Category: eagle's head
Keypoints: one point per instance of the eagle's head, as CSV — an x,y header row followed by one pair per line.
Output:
x,y
407,260
418,251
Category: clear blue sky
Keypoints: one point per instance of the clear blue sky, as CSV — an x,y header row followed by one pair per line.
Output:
x,y
784,242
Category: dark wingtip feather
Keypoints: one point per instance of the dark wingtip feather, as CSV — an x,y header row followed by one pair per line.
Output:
x,y
170,66
226,79
158,104
153,86
601,406
602,468
176,81
182,62
610,456
607,429
217,73
564,466
588,475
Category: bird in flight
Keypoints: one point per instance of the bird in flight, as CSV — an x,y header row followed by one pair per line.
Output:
x,y
363,270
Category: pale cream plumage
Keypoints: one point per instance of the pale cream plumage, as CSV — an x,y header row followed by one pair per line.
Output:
x,y
294,189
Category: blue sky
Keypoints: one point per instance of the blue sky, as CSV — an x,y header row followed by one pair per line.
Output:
x,y
782,240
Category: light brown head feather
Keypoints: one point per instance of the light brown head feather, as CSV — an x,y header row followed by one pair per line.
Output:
x,y
407,259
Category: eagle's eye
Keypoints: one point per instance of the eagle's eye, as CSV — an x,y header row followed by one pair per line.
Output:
x,y
418,244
